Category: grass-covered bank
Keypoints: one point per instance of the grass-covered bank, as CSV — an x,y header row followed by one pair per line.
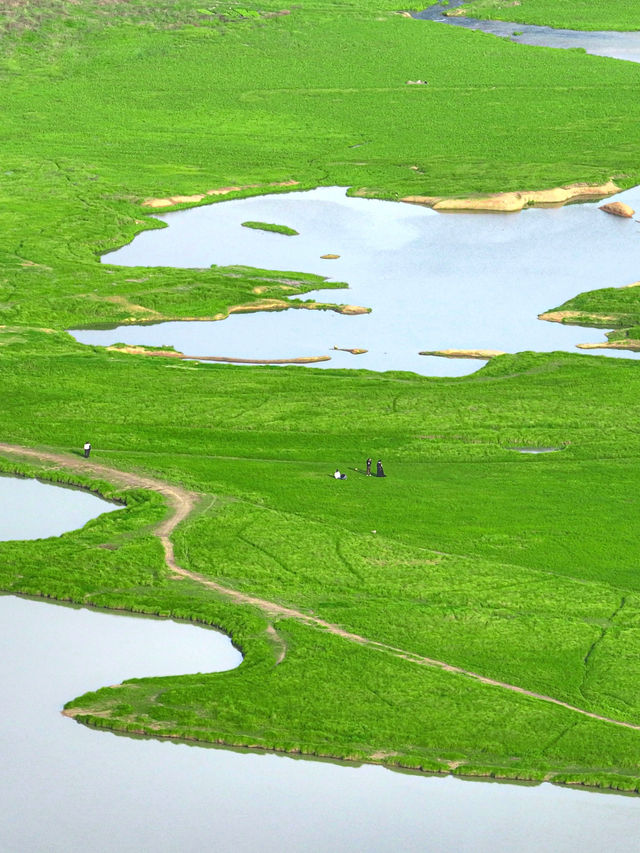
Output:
x,y
566,14
273,227
522,569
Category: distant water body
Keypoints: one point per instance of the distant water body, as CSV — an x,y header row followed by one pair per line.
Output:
x,y
617,45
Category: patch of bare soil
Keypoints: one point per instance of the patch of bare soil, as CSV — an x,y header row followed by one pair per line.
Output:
x,y
628,344
133,350
170,201
264,288
576,317
618,208
278,643
133,307
283,305
354,351
464,353
514,201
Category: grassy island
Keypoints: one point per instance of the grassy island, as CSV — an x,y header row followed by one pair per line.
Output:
x,y
478,611
268,226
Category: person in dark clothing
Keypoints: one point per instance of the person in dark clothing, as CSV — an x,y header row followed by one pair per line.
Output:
x,y
380,469
369,467
87,449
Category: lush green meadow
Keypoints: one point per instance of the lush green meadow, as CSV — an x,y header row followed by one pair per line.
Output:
x,y
523,569
568,14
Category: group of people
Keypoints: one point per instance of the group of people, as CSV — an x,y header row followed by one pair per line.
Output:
x,y
379,468
338,475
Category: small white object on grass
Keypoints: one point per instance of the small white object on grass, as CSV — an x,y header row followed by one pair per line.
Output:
x,y
374,531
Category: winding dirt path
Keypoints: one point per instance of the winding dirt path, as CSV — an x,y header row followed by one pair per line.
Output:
x,y
181,502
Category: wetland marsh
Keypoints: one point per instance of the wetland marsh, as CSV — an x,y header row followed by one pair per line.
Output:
x,y
432,280
50,798
476,612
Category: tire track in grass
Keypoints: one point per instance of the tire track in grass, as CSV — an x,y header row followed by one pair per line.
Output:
x,y
181,502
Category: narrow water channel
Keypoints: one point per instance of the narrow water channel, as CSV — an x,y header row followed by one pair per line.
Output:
x,y
433,281
617,45
68,788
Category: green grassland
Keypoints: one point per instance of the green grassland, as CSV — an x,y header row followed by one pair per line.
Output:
x,y
614,308
270,226
567,14
524,569
101,111
521,568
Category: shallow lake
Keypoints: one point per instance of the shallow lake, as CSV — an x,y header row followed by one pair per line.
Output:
x,y
618,45
65,787
434,281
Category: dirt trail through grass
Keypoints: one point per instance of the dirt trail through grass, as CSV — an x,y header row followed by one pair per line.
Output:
x,y
181,502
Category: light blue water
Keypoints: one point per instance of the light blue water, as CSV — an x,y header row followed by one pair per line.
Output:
x,y
68,788
433,281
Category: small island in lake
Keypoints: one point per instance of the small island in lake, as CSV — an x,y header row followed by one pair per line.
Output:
x,y
268,226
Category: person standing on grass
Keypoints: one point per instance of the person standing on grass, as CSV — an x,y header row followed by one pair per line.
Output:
x,y
87,449
380,469
369,467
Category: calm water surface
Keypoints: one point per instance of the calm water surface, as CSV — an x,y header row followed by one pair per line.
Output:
x,y
35,510
65,787
434,281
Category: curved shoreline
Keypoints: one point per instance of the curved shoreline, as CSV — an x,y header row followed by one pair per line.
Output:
x,y
503,201
458,769
174,200
181,503
595,39
260,305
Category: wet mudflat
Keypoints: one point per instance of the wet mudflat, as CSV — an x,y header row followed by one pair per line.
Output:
x,y
434,281
618,45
